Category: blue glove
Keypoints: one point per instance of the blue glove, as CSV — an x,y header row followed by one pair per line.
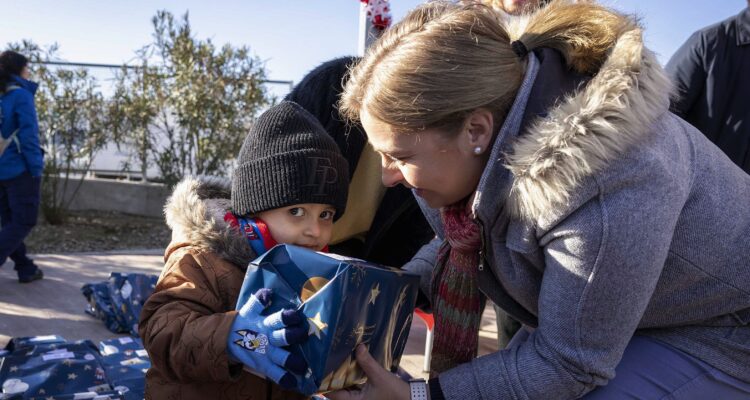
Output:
x,y
256,341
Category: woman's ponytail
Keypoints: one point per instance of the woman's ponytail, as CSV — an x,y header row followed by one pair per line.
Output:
x,y
582,32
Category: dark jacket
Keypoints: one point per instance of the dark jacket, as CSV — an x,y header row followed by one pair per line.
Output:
x,y
712,74
185,322
19,115
399,229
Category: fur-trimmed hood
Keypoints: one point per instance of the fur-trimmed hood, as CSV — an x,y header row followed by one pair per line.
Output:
x,y
195,213
587,129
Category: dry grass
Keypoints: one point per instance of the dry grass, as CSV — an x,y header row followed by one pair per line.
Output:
x,y
87,231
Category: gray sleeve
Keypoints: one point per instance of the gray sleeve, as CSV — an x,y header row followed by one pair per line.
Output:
x,y
432,215
422,264
602,264
424,261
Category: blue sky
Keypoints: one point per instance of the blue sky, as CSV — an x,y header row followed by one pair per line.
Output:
x,y
292,36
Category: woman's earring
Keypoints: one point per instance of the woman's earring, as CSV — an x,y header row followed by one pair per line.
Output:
x,y
477,150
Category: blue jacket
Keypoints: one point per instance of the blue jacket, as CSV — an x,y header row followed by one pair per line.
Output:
x,y
603,216
711,72
19,113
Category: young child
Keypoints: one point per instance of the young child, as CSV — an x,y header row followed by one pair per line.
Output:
x,y
289,185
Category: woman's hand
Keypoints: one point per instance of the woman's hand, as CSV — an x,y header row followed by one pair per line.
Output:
x,y
381,384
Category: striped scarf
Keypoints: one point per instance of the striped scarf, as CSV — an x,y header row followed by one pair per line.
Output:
x,y
457,303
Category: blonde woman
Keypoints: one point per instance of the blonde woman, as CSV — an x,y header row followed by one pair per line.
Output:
x,y
568,195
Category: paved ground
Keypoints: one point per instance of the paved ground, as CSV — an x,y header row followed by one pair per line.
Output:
x,y
55,305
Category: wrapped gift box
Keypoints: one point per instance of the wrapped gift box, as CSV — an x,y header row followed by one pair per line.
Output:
x,y
125,344
346,302
108,395
100,306
119,301
20,343
52,369
125,362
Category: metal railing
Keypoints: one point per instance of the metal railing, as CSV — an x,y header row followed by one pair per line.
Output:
x,y
113,66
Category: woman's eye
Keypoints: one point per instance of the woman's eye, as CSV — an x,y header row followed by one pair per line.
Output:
x,y
400,161
326,215
297,211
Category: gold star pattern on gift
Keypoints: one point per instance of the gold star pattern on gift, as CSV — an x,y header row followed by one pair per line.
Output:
x,y
358,274
87,367
374,292
68,362
359,332
42,391
72,377
316,325
14,369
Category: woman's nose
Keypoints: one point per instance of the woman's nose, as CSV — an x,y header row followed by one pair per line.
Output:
x,y
391,176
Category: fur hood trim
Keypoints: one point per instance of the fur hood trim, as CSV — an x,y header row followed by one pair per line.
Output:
x,y
588,129
195,213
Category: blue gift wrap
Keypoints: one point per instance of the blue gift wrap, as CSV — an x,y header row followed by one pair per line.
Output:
x,y
25,342
119,301
346,302
49,367
125,363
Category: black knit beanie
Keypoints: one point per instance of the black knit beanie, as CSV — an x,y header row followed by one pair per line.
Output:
x,y
286,159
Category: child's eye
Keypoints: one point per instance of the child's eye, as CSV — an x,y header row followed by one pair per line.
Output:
x,y
297,211
326,215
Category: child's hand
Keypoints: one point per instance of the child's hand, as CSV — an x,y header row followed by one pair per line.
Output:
x,y
256,341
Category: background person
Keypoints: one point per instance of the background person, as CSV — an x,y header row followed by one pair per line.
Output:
x,y
712,74
21,163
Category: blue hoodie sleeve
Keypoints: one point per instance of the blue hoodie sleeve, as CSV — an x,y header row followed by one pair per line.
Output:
x,y
28,134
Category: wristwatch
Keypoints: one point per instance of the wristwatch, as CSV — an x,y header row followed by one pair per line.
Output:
x,y
419,389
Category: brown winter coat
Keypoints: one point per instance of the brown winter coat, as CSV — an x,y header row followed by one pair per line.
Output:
x,y
185,323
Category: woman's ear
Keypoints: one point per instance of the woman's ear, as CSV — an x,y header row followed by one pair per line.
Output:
x,y
478,132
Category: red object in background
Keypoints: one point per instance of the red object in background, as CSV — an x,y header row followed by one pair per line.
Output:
x,y
430,322
379,13
426,317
